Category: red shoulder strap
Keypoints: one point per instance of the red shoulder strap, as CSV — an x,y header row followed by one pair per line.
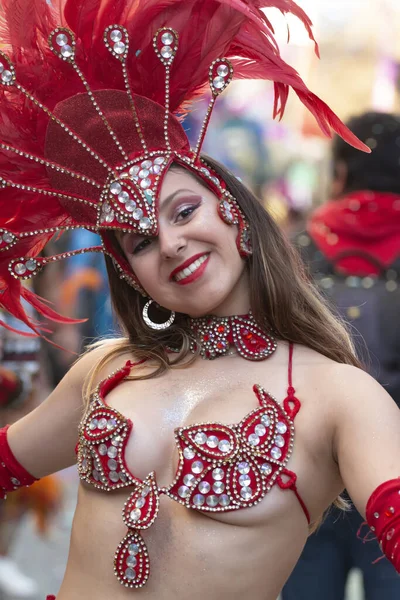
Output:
x,y
291,403
115,378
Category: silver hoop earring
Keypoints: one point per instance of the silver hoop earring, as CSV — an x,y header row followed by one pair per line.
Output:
x,y
151,324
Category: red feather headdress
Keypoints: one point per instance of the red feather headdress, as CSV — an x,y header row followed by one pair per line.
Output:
x,y
89,93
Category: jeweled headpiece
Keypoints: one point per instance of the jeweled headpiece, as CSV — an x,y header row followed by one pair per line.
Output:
x,y
92,95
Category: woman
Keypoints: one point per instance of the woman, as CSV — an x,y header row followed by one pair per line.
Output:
x,y
225,507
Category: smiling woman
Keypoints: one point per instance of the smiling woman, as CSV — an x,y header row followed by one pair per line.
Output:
x,y
192,469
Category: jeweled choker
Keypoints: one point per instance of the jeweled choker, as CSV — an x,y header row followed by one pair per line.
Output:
x,y
218,336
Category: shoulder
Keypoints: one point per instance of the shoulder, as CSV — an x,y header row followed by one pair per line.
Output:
x,y
100,360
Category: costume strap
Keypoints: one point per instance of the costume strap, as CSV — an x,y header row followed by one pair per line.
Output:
x,y
12,474
383,517
291,403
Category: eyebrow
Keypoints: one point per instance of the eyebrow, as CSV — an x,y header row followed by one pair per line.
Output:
x,y
164,205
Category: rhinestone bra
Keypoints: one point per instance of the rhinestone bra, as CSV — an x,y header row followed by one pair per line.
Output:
x,y
221,467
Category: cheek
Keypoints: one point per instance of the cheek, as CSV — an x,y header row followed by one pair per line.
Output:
x,y
144,269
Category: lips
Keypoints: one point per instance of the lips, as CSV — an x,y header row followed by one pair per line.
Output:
x,y
189,269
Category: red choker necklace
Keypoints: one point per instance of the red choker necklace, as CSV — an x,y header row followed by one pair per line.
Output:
x,y
218,336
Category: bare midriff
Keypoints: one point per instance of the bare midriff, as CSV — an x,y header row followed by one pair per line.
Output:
x,y
219,555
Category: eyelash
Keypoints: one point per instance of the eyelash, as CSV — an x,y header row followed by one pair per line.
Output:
x,y
143,244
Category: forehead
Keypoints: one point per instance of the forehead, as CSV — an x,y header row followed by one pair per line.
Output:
x,y
179,178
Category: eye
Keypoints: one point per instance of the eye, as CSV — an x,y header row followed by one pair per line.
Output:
x,y
141,246
187,212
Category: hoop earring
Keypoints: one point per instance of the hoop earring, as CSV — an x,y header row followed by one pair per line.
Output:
x,y
156,326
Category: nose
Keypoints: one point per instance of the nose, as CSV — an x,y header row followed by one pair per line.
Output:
x,y
171,243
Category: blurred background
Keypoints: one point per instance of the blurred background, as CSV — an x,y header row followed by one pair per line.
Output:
x,y
286,163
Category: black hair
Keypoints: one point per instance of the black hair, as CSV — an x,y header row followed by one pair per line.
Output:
x,y
380,170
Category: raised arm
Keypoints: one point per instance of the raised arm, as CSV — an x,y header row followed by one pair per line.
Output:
x,y
367,447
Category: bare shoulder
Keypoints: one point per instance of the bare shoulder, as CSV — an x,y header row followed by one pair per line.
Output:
x,y
102,359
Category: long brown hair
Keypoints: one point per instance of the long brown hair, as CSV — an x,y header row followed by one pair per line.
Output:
x,y
282,299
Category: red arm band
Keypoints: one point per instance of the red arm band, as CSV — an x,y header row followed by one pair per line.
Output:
x,y
383,517
12,473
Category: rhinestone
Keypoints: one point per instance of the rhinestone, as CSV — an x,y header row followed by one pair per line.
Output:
x,y
224,446
117,440
198,500
102,424
114,476
218,487
279,441
130,206
148,194
119,47
218,474
253,439
123,477
1,67
134,171
140,502
197,467
130,574
112,452
215,180
167,38
116,35
112,464
61,39
266,469
155,169
260,430
204,487
96,475
244,468
66,51
166,52
20,269
281,427
212,501
266,420
110,217
137,214
219,83
31,265
224,500
246,493
136,514
131,561
15,481
145,183
212,441
8,237
200,438
123,197
115,188
276,453
103,449
223,70
93,424
244,480
133,549
188,453
189,479
106,208
146,164
160,160
184,491
205,171
145,492
144,173
376,515
145,223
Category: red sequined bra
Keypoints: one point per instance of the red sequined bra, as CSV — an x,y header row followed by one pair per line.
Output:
x,y
221,467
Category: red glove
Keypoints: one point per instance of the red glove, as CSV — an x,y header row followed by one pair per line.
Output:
x,y
12,473
383,517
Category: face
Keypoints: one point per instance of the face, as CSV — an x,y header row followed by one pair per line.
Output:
x,y
193,266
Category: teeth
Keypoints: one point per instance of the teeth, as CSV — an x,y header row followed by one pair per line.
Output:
x,y
190,269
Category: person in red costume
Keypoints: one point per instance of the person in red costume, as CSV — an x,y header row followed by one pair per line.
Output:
x,y
352,247
212,435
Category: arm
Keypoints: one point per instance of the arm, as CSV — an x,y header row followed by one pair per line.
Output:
x,y
367,448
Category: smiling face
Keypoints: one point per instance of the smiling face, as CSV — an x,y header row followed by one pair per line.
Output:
x,y
193,266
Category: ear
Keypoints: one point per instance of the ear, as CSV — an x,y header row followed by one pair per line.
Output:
x,y
340,172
